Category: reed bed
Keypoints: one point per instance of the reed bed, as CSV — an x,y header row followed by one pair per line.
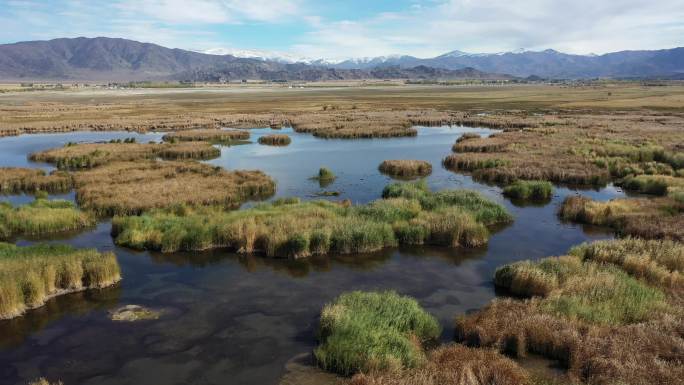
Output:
x,y
405,168
610,312
275,140
292,229
208,135
373,331
489,144
89,155
653,184
454,364
129,188
661,218
534,190
31,275
15,180
41,217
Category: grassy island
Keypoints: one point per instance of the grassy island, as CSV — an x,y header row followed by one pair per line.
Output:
x,y
41,217
405,168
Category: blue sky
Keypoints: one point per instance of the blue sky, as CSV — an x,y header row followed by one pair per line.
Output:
x,y
356,28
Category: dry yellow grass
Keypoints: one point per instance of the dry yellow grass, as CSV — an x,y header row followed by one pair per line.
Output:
x,y
208,135
15,180
133,187
406,168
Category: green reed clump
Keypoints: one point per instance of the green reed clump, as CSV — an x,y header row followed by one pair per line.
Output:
x,y
293,229
325,173
41,216
529,190
583,290
31,275
373,331
645,184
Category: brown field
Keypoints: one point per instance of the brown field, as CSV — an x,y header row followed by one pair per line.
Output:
x,y
133,187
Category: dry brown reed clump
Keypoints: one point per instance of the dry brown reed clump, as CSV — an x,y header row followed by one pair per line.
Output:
x,y
27,180
31,275
453,364
611,312
74,156
489,144
406,168
657,218
354,125
133,187
275,140
208,135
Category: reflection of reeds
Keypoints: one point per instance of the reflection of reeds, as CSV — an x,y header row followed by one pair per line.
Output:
x,y
289,228
275,140
31,275
609,312
132,187
406,168
28,180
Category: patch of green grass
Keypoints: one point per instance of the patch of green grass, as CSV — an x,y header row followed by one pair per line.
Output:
x,y
529,190
645,184
290,228
368,331
30,275
41,216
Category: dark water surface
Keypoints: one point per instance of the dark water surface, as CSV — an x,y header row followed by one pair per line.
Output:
x,y
232,319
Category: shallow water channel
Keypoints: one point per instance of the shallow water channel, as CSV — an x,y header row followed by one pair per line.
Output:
x,y
234,319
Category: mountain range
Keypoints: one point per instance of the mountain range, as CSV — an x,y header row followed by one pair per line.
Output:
x,y
113,59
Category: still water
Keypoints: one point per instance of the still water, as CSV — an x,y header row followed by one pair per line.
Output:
x,y
232,319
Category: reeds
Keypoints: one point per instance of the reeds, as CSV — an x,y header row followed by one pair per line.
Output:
x,y
28,180
373,331
133,187
89,155
208,135
660,218
529,190
454,364
405,168
275,140
472,144
610,312
294,229
31,275
41,217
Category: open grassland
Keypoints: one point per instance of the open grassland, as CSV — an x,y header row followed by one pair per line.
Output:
x,y
14,180
373,331
610,312
133,187
31,275
88,155
275,140
649,218
409,214
41,217
208,135
405,168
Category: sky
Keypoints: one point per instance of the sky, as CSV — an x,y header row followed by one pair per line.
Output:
x,y
357,28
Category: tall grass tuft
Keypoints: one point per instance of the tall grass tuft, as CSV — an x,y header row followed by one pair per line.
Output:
x,y
373,331
275,140
41,216
405,168
529,190
28,180
31,275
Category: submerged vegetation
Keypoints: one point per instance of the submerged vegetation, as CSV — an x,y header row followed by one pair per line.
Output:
x,y
133,187
28,180
529,190
610,312
410,215
31,275
657,218
406,168
89,155
275,140
41,217
373,331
